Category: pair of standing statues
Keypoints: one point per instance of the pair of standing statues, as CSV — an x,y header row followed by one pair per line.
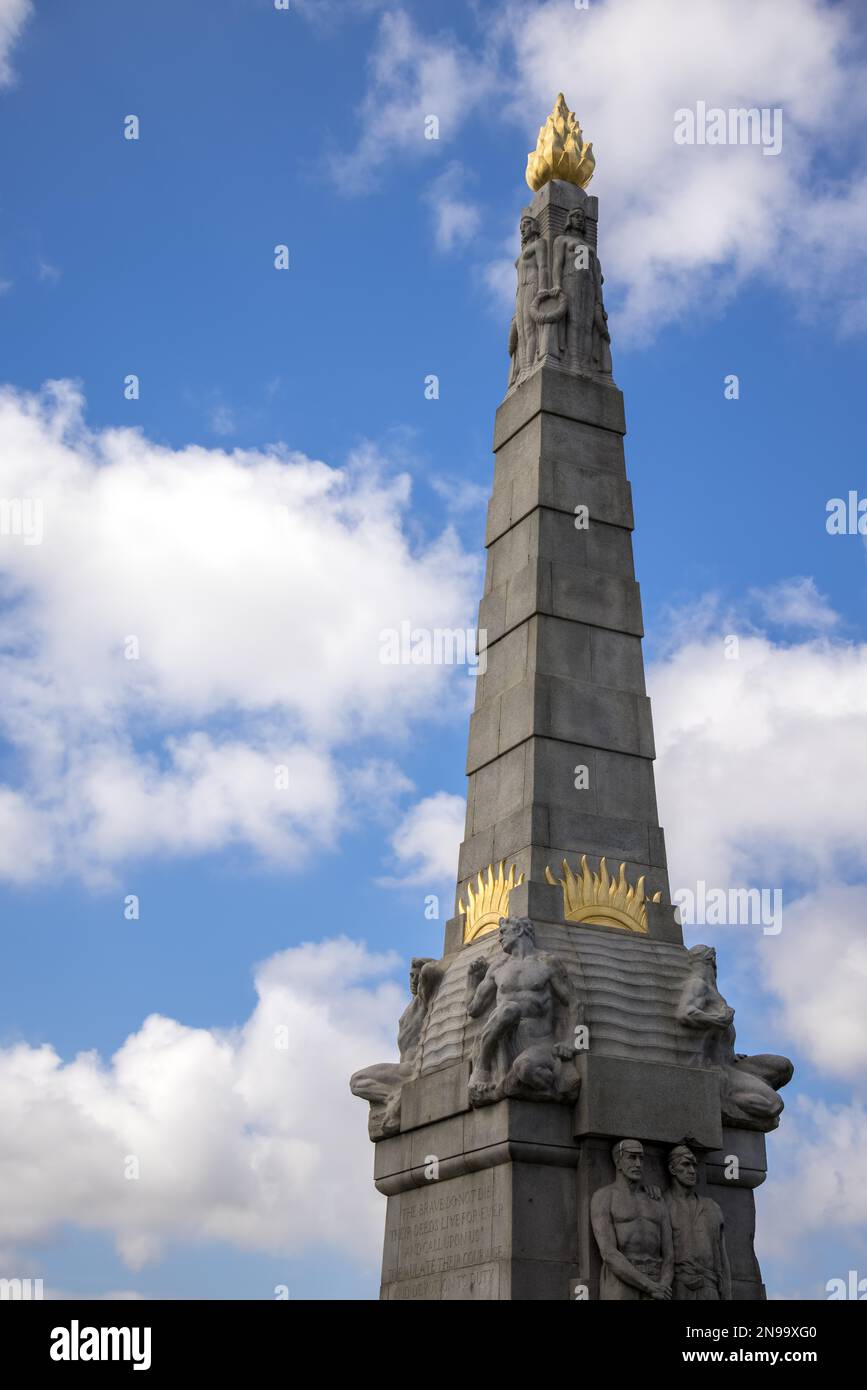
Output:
x,y
654,1245
559,311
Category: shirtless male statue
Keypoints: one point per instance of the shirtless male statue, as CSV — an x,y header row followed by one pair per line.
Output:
x,y
633,1231
530,1029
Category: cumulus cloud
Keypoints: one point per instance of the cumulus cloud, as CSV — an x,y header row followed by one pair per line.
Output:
x,y
762,759
817,973
427,841
818,1187
688,223
410,77
797,603
762,782
683,226
247,1136
762,779
14,14
456,219
329,12
177,594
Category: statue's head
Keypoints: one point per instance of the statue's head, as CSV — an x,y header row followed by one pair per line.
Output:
x,y
529,229
577,221
513,929
628,1155
683,1165
703,955
417,964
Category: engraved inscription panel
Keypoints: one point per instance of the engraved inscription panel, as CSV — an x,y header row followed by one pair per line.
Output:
x,y
444,1230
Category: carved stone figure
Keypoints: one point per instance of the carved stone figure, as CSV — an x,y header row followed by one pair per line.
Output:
x,y
749,1083
584,341
533,279
382,1082
701,1264
633,1231
601,335
526,1047
574,276
514,360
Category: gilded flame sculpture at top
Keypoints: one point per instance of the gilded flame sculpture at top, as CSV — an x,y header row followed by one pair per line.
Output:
x,y
560,151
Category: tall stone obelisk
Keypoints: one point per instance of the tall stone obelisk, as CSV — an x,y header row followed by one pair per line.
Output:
x,y
567,1066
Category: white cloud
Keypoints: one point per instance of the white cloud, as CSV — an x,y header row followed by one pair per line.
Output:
x,y
686,224
456,219
256,584
682,227
427,841
47,273
828,242
462,497
817,1188
14,14
762,781
223,420
329,12
499,277
818,973
762,771
797,603
237,1139
410,78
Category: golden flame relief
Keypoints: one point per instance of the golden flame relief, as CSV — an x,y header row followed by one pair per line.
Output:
x,y
560,151
603,900
589,897
490,900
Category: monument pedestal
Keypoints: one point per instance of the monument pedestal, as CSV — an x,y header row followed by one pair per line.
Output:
x,y
501,1220
493,1203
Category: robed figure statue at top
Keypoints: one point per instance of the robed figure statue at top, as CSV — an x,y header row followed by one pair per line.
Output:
x,y
560,314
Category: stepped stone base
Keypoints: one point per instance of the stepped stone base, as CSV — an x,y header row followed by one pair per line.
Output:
x,y
508,1217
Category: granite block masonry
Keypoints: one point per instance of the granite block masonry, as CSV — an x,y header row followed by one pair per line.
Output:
x,y
568,1116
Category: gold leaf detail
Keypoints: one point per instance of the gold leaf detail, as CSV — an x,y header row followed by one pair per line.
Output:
x,y
602,900
560,151
489,901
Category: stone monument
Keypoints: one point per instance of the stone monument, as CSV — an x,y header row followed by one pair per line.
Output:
x,y
568,1117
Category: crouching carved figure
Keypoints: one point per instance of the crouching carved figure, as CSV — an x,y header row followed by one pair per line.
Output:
x,y
749,1083
382,1082
526,1045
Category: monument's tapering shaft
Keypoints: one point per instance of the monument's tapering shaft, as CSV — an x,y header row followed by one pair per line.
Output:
x,y
568,1091
560,759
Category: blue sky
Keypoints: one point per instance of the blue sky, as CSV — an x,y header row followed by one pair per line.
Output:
x,y
155,257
